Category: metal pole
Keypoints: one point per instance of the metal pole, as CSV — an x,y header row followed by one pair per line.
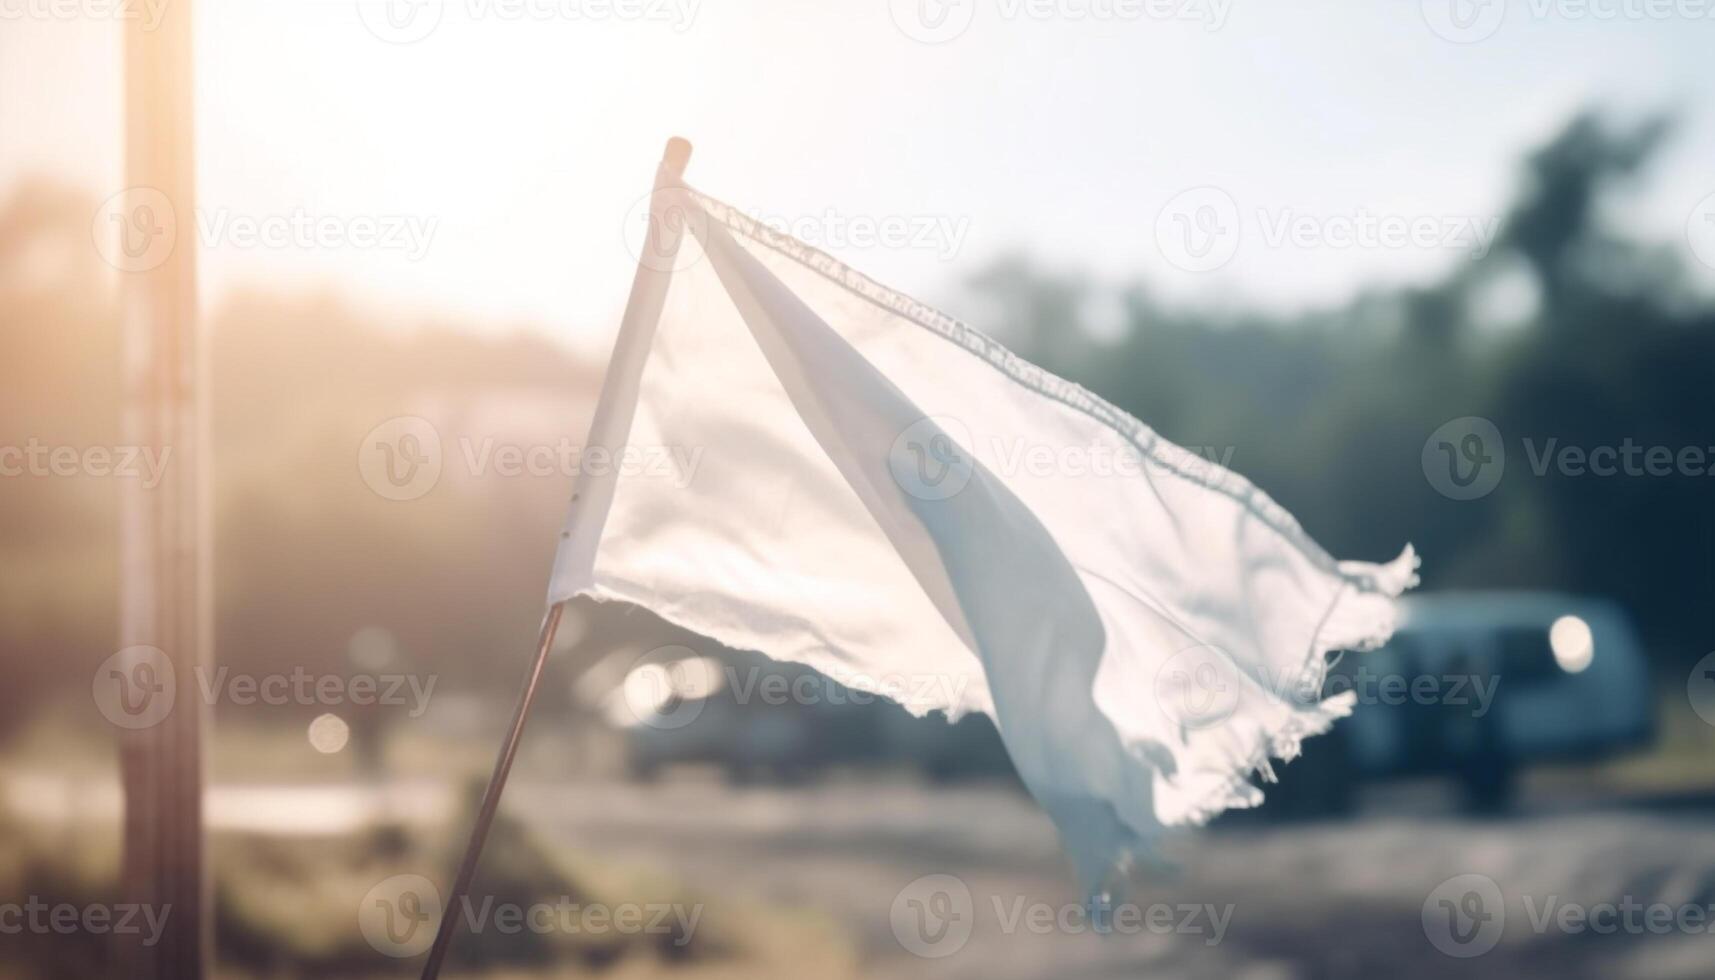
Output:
x,y
491,798
645,299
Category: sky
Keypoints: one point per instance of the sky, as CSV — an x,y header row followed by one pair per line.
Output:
x,y
483,160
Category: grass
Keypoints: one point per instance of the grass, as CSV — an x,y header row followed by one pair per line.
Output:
x,y
287,907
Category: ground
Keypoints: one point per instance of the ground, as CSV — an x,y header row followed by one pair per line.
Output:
x,y
844,860
1327,900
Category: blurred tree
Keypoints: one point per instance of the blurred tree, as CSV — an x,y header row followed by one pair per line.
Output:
x,y
1328,412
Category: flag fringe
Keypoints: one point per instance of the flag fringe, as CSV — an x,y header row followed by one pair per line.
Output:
x,y
1362,618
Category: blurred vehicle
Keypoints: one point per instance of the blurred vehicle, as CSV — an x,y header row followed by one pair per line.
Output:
x,y
754,718
758,719
1476,686
967,749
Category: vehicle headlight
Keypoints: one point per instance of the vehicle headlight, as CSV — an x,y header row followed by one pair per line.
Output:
x,y
1573,644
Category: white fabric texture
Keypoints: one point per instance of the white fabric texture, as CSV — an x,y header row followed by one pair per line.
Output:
x,y
890,497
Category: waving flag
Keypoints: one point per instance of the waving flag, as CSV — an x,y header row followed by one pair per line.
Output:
x,y
886,495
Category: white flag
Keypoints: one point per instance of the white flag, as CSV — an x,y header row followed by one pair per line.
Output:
x,y
810,465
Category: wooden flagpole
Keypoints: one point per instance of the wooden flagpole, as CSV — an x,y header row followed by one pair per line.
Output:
x,y
648,288
165,582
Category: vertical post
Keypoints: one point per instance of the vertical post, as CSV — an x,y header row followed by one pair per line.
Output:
x,y
164,568
648,289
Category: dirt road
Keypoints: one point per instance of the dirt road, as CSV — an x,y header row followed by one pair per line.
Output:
x,y
1563,892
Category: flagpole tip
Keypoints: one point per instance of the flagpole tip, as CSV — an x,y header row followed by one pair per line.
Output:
x,y
677,154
